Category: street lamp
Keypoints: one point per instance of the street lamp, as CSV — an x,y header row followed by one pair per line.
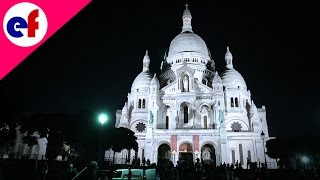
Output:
x,y
305,160
102,119
264,150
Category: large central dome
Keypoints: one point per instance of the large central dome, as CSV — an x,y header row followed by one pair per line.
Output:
x,y
188,42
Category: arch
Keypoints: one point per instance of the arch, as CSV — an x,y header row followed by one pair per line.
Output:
x,y
205,122
204,108
202,104
164,153
168,105
156,144
186,152
185,147
241,153
249,155
185,112
166,116
208,154
185,101
233,156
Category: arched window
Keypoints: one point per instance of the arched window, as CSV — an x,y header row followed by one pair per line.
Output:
x,y
249,155
185,114
139,105
232,103
205,122
142,155
233,155
167,122
143,103
236,102
241,153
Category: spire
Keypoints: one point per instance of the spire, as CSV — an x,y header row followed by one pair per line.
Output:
x,y
186,18
228,58
155,80
146,62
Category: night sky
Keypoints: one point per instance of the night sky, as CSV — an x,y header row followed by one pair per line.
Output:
x,y
92,61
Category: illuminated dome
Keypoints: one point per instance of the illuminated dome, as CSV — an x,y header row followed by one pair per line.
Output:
x,y
231,78
188,42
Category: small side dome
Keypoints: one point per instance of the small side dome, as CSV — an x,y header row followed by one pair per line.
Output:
x,y
143,80
231,78
216,78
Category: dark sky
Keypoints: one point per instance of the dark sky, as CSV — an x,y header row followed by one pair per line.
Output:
x,y
92,61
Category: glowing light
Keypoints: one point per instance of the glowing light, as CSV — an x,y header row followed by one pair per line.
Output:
x,y
103,118
305,159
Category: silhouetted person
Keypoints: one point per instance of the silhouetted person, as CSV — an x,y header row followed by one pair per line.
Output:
x,y
143,161
129,173
198,167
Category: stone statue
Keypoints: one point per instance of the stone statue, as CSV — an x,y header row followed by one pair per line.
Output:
x,y
150,118
185,84
221,116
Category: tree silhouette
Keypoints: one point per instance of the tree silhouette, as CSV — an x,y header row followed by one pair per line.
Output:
x,y
119,139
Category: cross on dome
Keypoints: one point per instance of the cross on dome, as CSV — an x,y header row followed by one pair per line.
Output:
x,y
186,17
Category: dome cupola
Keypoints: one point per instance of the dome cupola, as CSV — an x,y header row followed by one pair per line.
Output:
x,y
187,41
142,81
231,78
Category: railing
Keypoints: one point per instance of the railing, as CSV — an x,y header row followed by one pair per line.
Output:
x,y
80,173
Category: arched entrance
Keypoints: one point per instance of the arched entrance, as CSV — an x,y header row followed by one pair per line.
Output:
x,y
186,153
164,153
208,154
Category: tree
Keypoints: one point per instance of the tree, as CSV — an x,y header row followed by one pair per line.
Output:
x,y
125,139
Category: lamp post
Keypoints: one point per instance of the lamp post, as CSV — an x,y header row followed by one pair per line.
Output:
x,y
102,119
264,150
305,160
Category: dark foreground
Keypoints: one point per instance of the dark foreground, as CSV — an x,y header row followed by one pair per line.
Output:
x,y
61,170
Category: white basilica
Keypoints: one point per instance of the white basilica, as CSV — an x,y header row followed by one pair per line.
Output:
x,y
191,111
